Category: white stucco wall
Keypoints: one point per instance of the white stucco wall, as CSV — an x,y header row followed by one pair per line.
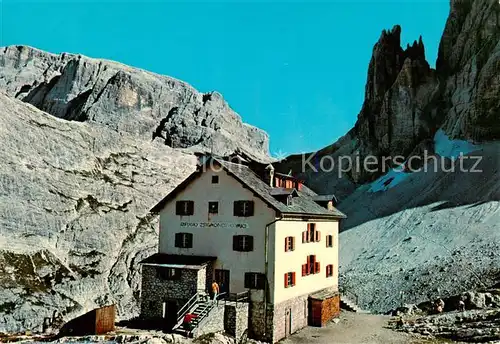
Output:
x,y
214,241
292,261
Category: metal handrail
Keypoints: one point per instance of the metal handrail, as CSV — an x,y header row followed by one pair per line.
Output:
x,y
351,295
235,297
184,309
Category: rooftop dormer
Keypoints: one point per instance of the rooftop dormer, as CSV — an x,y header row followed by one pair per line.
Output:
x,y
326,201
284,195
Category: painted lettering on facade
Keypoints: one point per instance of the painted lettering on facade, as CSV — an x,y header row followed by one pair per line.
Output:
x,y
214,225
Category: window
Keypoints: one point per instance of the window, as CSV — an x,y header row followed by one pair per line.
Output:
x,y
311,266
215,179
184,240
243,243
289,279
289,200
329,241
243,208
255,280
184,208
311,234
329,270
168,273
213,207
289,243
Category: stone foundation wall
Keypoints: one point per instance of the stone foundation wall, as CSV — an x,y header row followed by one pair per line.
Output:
x,y
298,308
236,320
260,321
214,322
155,291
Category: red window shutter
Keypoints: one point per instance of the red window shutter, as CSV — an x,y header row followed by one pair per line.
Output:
x,y
286,280
304,269
293,243
286,244
316,268
293,278
318,236
304,237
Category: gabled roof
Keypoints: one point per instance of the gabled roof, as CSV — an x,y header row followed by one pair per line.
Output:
x,y
177,260
284,192
325,198
303,205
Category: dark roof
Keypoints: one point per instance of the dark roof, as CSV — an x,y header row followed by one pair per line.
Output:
x,y
324,294
284,192
303,205
286,176
177,259
325,198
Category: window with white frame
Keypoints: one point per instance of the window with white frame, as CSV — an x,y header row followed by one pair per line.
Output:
x,y
184,240
243,243
184,208
255,280
243,208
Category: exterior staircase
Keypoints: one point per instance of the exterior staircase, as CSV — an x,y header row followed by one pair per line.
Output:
x,y
199,305
348,305
349,302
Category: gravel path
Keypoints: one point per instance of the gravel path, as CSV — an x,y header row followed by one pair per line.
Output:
x,y
354,328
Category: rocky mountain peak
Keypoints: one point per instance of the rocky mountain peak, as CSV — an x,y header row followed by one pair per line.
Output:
x,y
126,99
385,65
406,101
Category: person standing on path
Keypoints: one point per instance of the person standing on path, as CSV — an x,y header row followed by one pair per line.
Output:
x,y
215,290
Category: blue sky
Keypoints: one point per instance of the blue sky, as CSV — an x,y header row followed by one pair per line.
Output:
x,y
294,69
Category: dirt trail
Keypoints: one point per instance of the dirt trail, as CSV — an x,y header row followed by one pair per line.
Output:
x,y
355,328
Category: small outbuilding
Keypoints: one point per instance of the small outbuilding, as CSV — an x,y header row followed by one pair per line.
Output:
x,y
97,321
323,307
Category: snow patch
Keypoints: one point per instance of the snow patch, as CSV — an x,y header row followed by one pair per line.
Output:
x,y
443,146
452,148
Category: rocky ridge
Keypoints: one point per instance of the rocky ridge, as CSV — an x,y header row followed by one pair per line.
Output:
x,y
126,99
75,216
88,147
412,236
407,102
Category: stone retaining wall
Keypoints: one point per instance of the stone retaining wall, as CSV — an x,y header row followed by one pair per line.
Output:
x,y
236,319
155,291
260,321
214,322
298,308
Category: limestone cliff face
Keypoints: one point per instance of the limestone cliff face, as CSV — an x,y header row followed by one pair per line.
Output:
x,y
469,65
127,99
394,117
88,147
74,214
406,101
420,238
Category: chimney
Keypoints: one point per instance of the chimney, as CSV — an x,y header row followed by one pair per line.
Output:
x,y
270,169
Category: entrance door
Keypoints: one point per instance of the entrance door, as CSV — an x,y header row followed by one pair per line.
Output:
x,y
288,322
222,279
169,314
